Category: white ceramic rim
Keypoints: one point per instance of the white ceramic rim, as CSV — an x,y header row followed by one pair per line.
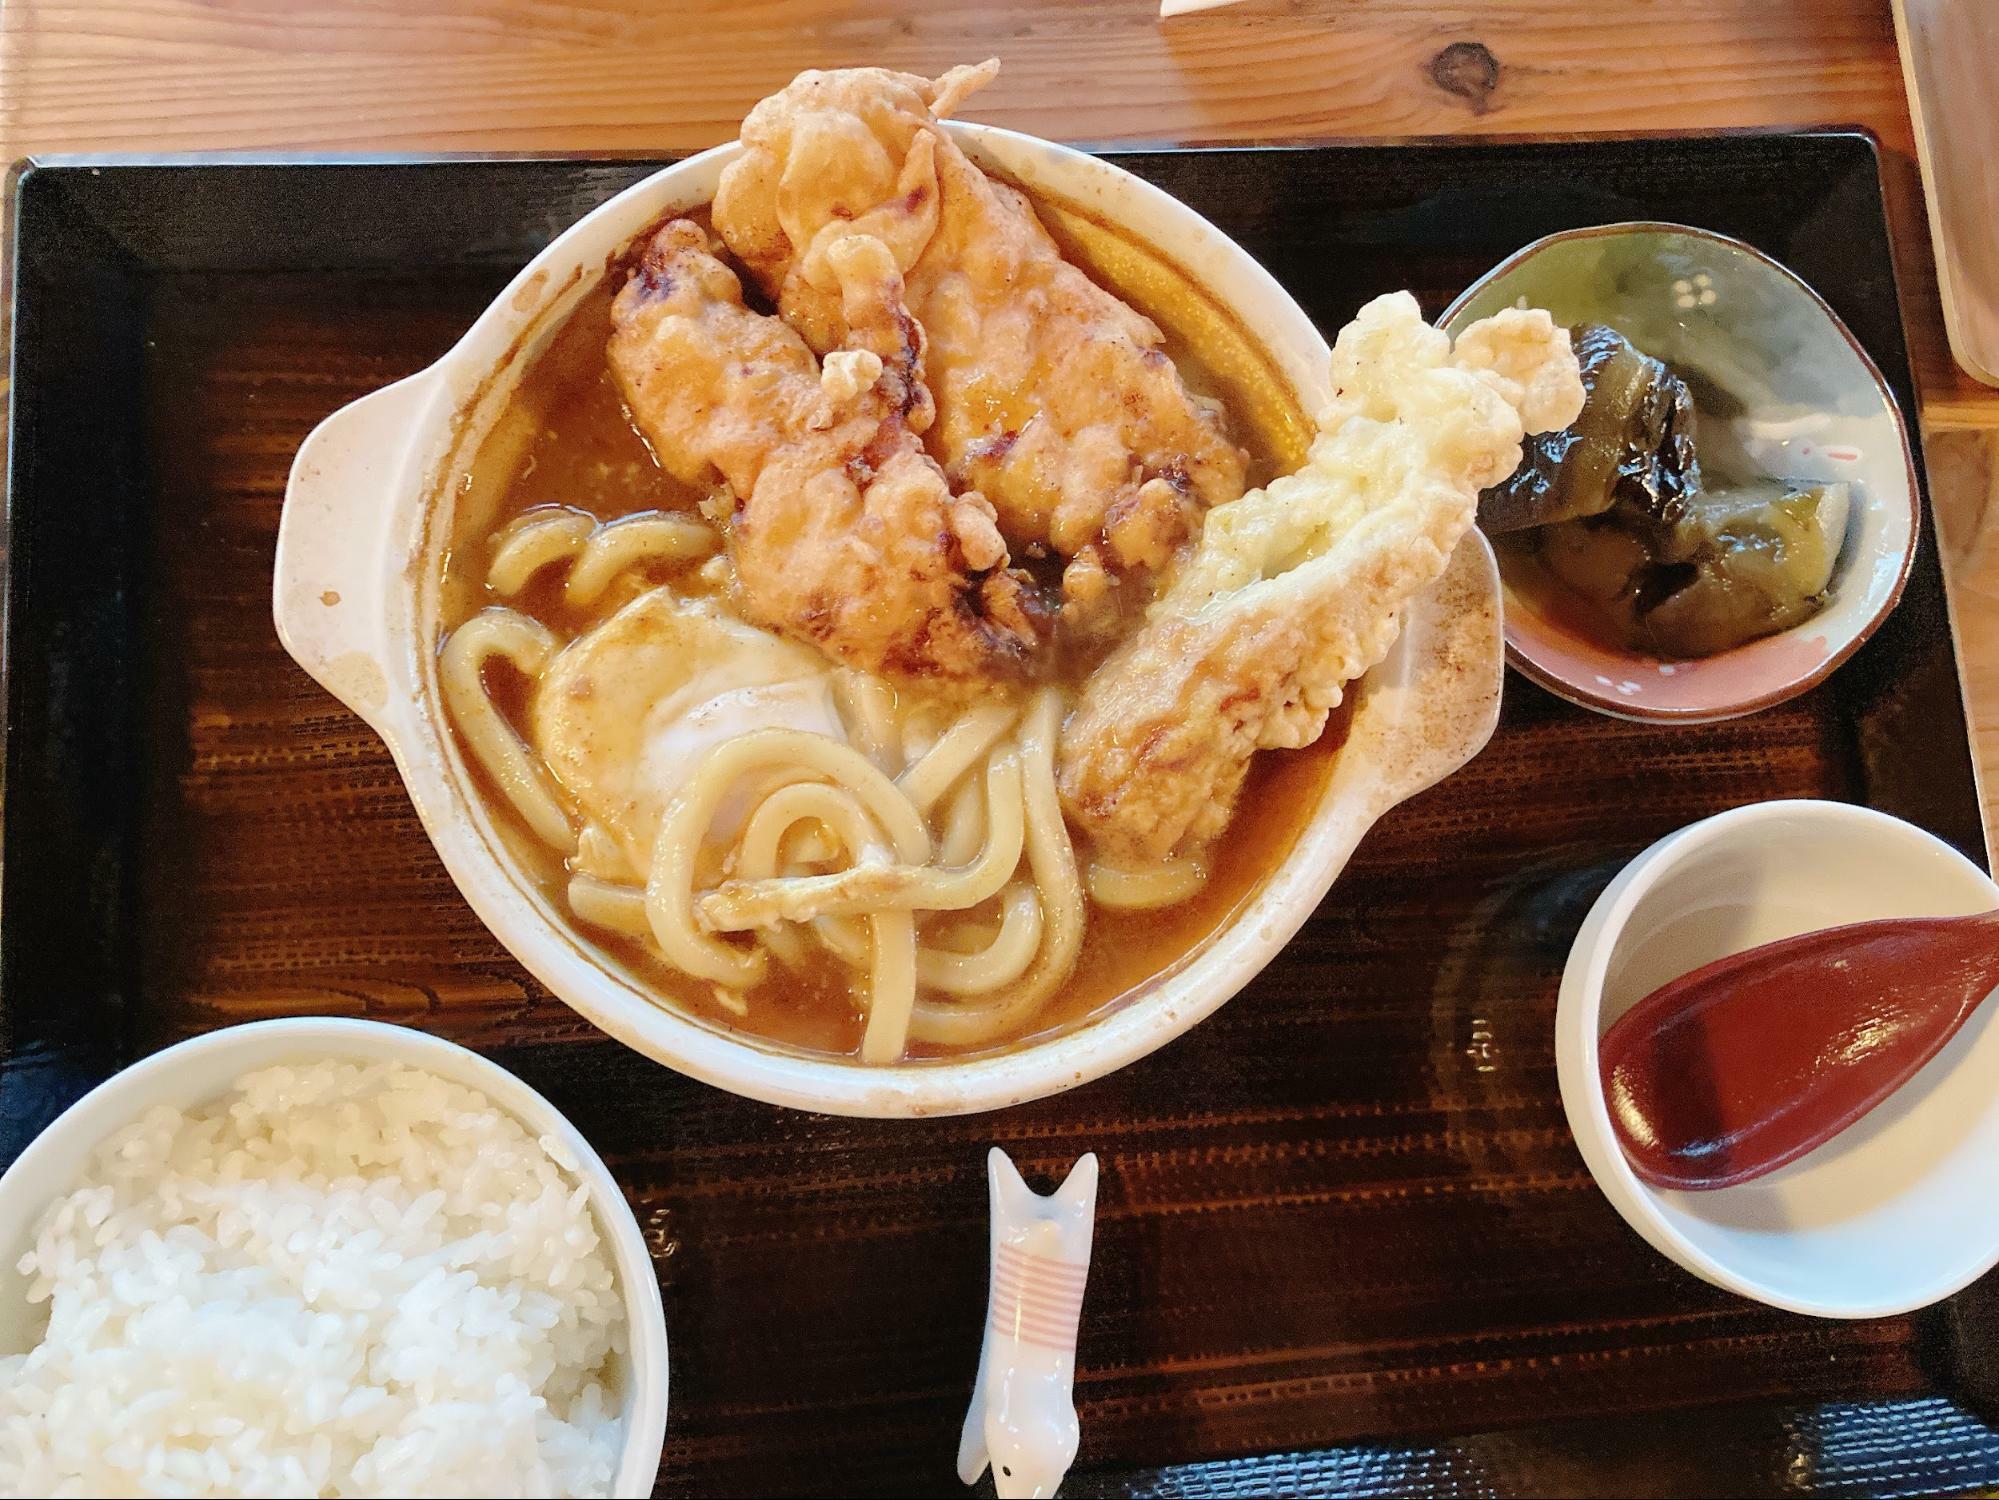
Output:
x,y
1407,731
329,1038
1580,1006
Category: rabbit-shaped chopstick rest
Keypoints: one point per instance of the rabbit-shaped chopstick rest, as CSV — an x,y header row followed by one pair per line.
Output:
x,y
1023,1415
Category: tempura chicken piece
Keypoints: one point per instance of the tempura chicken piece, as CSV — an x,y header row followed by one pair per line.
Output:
x,y
844,533
1295,590
1055,400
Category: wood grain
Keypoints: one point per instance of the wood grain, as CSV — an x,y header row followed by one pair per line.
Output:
x,y
594,75
1950,57
1331,1220
1964,465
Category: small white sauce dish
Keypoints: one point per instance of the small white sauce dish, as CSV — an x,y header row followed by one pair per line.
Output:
x,y
1897,1212
198,1070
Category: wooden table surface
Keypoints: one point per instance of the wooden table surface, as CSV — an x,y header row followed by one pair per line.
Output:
x,y
528,75
589,75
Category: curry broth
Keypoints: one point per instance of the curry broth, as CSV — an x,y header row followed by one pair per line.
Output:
x,y
565,440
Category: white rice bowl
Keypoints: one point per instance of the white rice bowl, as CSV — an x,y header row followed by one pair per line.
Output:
x,y
338,1278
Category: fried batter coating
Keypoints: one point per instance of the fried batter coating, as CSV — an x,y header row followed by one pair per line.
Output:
x,y
1055,400
843,532
1295,590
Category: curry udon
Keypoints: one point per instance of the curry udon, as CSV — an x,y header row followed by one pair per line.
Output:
x,y
835,860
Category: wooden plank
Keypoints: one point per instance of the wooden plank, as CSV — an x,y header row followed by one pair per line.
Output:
x,y
1950,58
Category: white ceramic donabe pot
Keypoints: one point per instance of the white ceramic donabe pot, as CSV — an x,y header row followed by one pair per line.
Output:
x,y
357,600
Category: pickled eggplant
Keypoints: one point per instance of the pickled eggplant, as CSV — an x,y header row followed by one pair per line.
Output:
x,y
1596,561
1621,516
1762,558
1633,443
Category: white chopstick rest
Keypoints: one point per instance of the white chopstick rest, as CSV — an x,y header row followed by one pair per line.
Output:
x,y
1023,1415
1183,7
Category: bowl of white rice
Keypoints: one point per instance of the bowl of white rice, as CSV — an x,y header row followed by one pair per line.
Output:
x,y
323,1257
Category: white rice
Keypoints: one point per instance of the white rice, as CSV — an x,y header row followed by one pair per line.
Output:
x,y
339,1279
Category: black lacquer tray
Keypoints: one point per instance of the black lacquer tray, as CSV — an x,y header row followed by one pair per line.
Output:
x,y
1342,1223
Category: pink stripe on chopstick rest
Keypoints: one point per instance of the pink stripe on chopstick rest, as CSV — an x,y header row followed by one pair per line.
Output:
x,y
1037,1299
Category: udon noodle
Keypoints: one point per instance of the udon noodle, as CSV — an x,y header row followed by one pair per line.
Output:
x,y
881,857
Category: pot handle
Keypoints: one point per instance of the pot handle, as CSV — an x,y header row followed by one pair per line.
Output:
x,y
332,571
1452,669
